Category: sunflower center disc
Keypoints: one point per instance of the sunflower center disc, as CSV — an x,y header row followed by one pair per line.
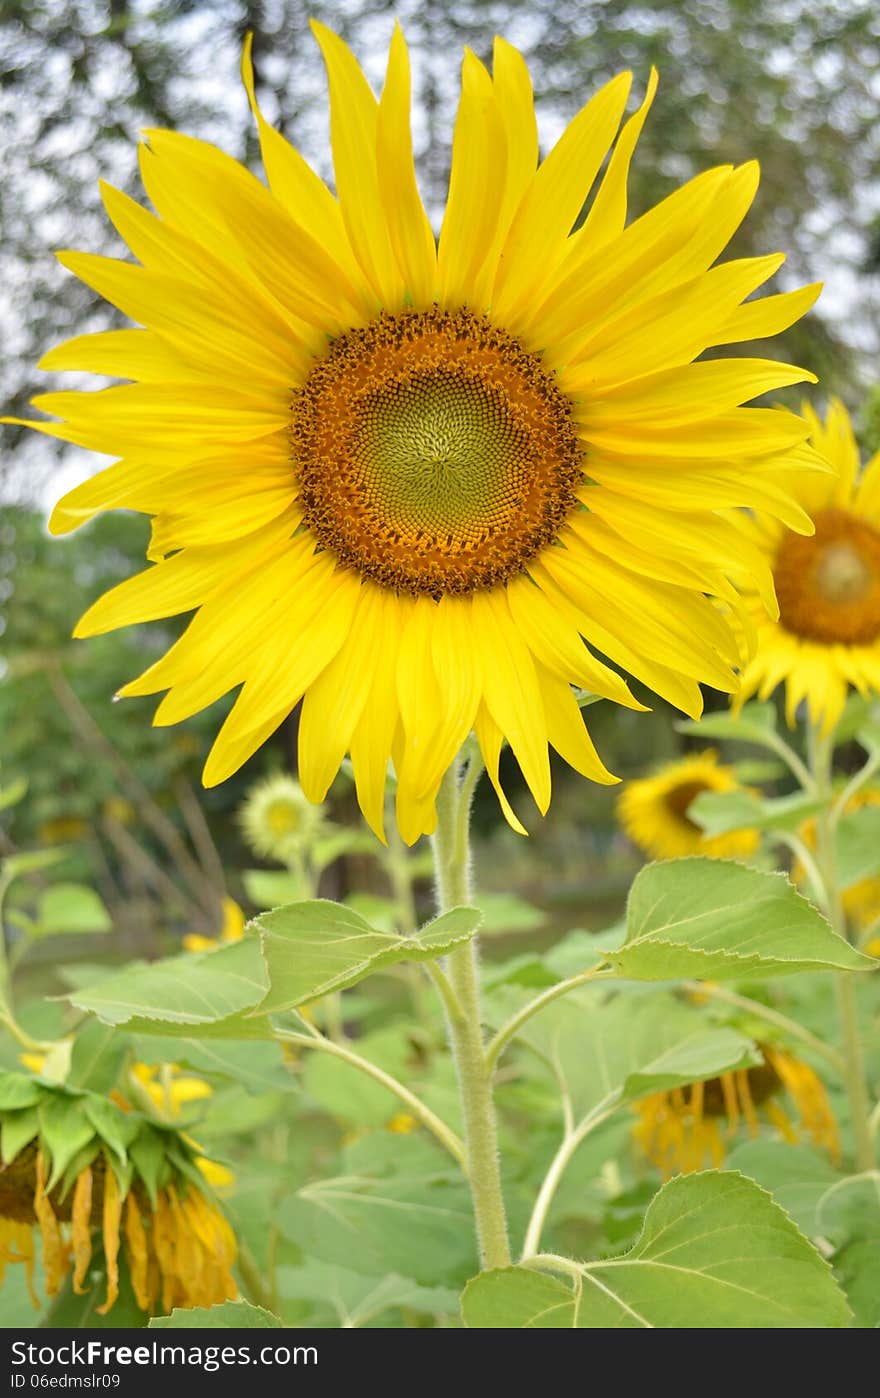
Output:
x,y
434,454
680,797
829,585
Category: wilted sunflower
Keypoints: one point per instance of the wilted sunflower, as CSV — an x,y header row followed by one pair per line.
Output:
x,y
401,478
654,810
828,633
689,1129
74,1168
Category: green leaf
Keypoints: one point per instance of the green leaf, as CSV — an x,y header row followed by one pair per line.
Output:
x,y
715,1252
206,991
258,1067
96,1057
355,1299
71,908
313,948
116,1128
270,888
16,1091
717,812
17,1129
65,1129
411,1223
352,1097
326,848
147,1154
704,1055
516,1298
752,725
796,1176
71,1312
229,1315
858,1263
528,969
506,913
858,846
717,920
615,1050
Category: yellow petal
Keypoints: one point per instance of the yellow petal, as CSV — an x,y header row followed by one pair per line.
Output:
x,y
510,689
680,396
112,1217
769,315
537,239
579,295
126,354
81,1229
206,194
335,701
668,330
513,92
555,642
408,227
567,731
179,584
353,133
282,674
373,736
295,185
607,215
476,184
489,737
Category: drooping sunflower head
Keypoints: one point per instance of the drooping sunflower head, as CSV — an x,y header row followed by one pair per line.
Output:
x,y
278,820
827,636
96,1181
691,1128
425,485
654,810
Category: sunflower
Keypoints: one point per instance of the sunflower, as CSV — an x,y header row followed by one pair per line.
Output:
x,y
688,1129
75,1168
403,479
231,931
169,1092
654,810
278,820
827,636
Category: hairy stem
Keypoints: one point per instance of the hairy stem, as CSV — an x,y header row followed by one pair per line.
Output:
x,y
453,874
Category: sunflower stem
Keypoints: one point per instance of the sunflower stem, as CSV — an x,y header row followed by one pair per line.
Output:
x,y
821,755
452,864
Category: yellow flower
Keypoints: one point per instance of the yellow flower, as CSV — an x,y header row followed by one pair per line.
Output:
x,y
654,810
828,633
231,931
402,480
278,819
690,1128
168,1089
178,1246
